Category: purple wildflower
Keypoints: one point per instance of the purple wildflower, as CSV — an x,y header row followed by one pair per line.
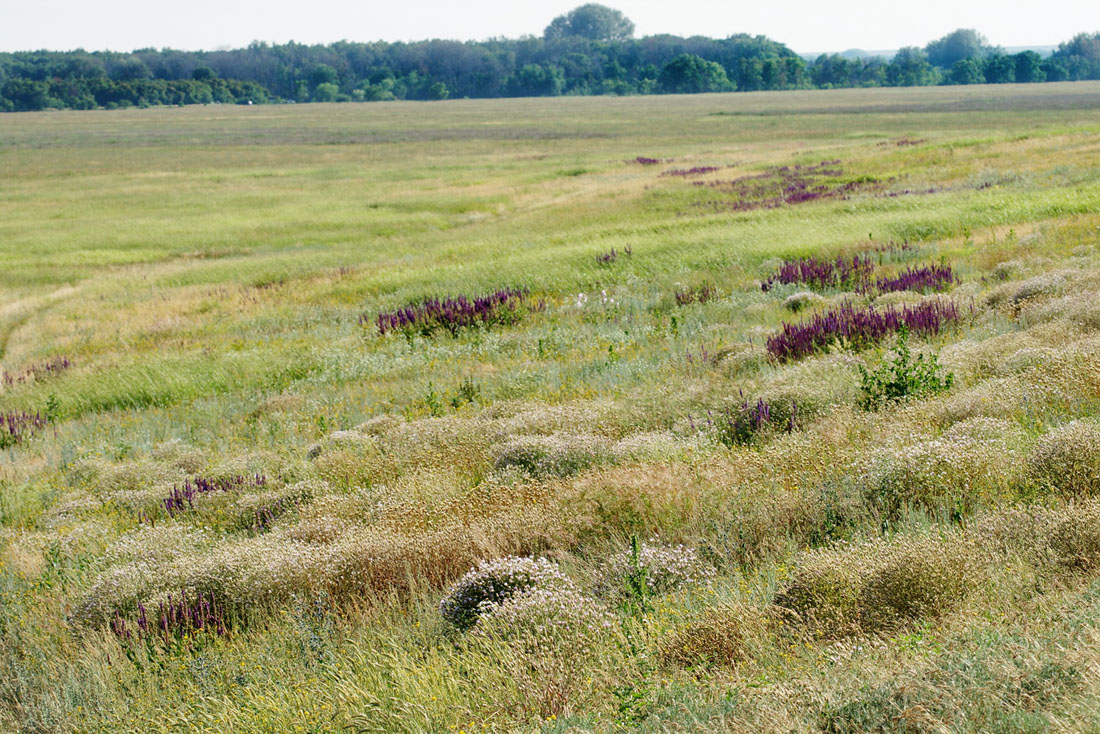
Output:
x,y
858,328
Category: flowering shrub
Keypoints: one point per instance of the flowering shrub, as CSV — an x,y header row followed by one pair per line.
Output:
x,y
184,495
663,568
694,171
858,328
742,425
37,372
16,426
922,279
802,300
851,273
176,619
492,582
539,616
787,185
452,314
698,294
606,258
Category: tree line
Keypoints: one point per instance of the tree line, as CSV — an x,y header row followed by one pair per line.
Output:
x,y
589,51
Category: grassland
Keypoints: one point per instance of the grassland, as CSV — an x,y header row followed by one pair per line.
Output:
x,y
189,295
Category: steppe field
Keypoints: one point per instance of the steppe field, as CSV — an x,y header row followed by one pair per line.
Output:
x,y
768,412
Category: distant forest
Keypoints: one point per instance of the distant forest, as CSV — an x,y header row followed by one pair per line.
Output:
x,y
590,50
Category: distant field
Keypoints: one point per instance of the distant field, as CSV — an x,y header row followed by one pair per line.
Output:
x,y
189,298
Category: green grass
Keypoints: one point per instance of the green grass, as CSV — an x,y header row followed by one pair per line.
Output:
x,y
205,270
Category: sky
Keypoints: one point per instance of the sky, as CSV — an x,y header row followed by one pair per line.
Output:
x,y
804,25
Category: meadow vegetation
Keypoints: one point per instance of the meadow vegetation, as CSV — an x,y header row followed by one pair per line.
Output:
x,y
771,412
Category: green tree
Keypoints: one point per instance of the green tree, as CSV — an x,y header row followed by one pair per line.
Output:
x,y
967,71
964,43
1029,67
438,90
689,74
1000,69
910,68
325,92
535,80
592,21
323,74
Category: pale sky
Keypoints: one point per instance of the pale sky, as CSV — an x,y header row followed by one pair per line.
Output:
x,y
804,25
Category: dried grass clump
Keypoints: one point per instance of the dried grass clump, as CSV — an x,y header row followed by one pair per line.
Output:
x,y
648,499
104,477
877,586
492,583
802,300
523,418
916,578
142,563
1067,460
350,459
657,446
822,595
955,472
553,456
812,389
1016,293
717,639
666,568
180,456
1074,537
461,444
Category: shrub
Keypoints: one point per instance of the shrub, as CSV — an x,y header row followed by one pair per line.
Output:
x,y
37,372
184,495
742,425
1067,459
858,328
902,378
697,294
652,569
492,582
177,619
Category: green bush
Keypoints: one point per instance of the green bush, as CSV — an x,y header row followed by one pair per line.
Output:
x,y
903,377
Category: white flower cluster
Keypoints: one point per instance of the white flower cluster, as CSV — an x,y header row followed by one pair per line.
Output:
x,y
543,620
493,582
667,568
